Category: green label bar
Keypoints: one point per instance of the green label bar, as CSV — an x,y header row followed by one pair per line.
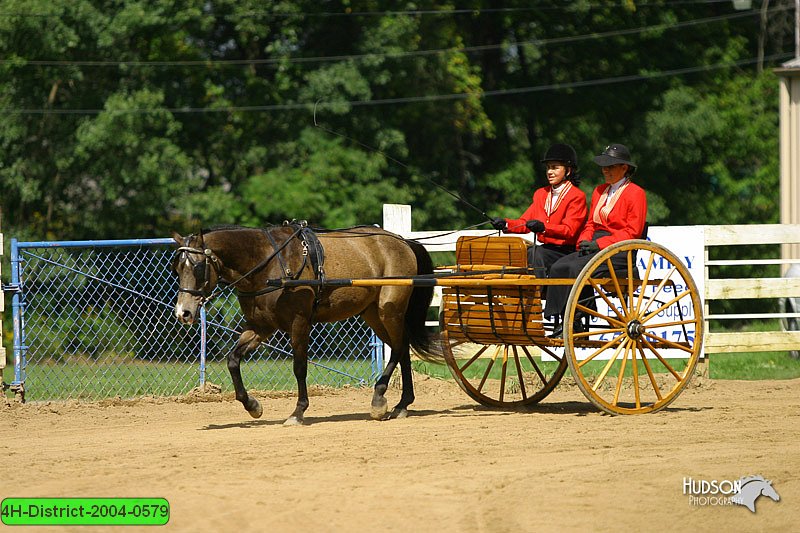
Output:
x,y
84,511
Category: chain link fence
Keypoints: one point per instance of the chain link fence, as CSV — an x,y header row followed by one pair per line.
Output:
x,y
94,319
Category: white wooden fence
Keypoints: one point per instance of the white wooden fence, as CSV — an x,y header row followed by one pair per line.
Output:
x,y
397,218
750,288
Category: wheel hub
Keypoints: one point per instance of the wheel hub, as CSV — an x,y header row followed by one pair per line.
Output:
x,y
635,329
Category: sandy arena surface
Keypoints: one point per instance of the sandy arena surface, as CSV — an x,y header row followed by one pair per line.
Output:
x,y
450,466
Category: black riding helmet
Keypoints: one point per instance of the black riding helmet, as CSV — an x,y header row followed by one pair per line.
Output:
x,y
567,155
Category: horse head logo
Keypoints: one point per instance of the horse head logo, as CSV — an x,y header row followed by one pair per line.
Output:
x,y
751,488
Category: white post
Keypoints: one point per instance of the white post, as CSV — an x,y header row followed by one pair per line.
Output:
x,y
397,218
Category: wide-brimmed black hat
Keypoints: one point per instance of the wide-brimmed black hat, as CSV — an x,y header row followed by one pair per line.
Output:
x,y
615,154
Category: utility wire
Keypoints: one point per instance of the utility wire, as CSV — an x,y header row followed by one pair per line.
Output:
x,y
22,62
409,99
544,6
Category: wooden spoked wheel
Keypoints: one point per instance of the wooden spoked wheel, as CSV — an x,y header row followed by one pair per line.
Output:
x,y
502,375
646,328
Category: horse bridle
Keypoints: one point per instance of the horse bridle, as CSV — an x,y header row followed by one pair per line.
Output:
x,y
208,262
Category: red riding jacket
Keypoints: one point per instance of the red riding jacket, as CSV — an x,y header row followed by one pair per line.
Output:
x,y
562,225
625,221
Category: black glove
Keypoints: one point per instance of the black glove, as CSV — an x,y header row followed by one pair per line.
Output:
x,y
499,223
588,247
536,226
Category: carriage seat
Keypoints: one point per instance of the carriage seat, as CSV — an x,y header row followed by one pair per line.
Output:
x,y
493,314
492,252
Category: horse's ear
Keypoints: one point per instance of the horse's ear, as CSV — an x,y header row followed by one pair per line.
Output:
x,y
177,237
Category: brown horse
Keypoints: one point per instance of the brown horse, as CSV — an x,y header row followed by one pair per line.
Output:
x,y
260,263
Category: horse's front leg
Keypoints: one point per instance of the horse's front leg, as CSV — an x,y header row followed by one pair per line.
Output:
x,y
301,334
248,341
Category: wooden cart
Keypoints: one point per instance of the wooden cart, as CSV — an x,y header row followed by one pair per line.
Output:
x,y
645,327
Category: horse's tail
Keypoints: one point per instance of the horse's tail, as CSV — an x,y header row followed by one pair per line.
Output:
x,y
426,343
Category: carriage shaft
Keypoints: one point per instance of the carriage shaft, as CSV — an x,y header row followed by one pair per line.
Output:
x,y
527,281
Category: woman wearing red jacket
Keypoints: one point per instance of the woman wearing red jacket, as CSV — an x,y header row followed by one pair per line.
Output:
x,y
557,213
618,213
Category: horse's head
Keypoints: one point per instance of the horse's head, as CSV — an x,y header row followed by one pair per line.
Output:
x,y
768,490
197,268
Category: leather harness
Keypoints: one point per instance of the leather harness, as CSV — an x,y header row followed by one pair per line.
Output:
x,y
312,252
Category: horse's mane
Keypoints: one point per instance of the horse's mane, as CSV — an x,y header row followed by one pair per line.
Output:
x,y
222,227
346,229
236,227
745,480
229,227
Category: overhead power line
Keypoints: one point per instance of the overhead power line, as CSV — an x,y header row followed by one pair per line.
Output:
x,y
390,55
544,6
410,99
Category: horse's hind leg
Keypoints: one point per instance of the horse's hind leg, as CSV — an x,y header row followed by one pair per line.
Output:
x,y
401,409
379,406
301,333
390,331
248,341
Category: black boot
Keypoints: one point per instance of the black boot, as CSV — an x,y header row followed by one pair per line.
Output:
x,y
578,326
558,328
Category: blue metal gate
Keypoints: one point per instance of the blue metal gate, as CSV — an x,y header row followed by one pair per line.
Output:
x,y
94,319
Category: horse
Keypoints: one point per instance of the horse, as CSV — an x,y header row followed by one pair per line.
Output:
x,y
260,262
751,488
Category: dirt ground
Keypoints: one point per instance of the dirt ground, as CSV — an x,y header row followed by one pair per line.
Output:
x,y
450,466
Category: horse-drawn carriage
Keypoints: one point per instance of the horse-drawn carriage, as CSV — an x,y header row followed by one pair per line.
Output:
x,y
496,340
636,351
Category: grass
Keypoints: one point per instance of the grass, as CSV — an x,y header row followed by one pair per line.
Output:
x,y
753,366
744,366
592,368
88,380
93,380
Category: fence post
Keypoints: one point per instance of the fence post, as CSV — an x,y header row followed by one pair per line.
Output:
x,y
203,346
17,311
397,219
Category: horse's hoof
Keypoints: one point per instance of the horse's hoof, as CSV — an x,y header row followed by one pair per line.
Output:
x,y
379,408
293,421
257,411
400,413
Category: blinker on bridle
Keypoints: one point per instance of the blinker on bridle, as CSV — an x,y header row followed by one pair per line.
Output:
x,y
206,263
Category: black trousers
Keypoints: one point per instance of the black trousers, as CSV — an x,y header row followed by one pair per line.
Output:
x,y
541,257
570,266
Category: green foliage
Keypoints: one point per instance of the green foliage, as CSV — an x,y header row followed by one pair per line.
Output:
x,y
135,118
718,149
337,185
142,171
